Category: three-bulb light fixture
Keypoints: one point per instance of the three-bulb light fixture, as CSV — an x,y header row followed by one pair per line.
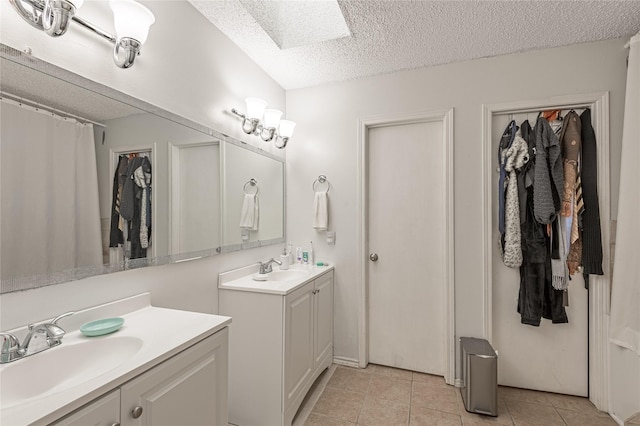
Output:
x,y
132,21
265,122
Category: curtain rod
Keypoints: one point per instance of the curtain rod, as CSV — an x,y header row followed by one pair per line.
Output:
x,y
51,110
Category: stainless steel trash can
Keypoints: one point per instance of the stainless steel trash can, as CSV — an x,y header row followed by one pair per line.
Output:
x,y
479,376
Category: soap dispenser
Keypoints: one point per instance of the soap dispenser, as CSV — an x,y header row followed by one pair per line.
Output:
x,y
284,260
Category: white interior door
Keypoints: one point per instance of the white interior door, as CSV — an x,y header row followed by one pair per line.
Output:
x,y
552,357
406,212
195,192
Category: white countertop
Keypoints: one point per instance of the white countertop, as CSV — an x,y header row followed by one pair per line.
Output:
x,y
165,332
242,279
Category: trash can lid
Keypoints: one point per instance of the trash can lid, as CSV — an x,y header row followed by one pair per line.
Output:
x,y
474,346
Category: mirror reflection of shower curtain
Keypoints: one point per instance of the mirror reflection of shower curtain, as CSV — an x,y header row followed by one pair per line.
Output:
x,y
625,295
49,186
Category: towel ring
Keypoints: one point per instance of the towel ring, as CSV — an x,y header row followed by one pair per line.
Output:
x,y
320,180
251,182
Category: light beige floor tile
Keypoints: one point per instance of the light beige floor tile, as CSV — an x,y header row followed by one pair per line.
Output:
x,y
436,398
635,420
429,379
339,404
320,420
383,370
383,412
422,416
574,403
351,379
402,374
532,414
503,418
524,395
385,387
577,418
481,421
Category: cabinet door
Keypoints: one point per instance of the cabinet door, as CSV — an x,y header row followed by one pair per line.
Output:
x,y
323,303
188,389
104,411
298,326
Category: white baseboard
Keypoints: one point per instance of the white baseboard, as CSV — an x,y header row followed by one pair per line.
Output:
x,y
457,383
349,362
616,419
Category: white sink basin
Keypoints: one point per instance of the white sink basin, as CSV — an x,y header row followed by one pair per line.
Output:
x,y
287,275
60,368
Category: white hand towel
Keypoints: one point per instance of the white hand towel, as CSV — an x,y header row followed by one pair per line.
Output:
x,y
256,212
320,211
247,215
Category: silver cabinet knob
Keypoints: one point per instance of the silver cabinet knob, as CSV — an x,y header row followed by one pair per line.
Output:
x,y
116,424
373,257
136,412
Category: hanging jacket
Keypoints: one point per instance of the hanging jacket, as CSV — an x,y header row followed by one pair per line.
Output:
x,y
591,236
503,145
525,177
129,192
115,234
514,159
548,179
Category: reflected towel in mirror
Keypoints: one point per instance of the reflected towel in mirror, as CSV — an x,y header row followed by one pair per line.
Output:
x,y
250,214
320,211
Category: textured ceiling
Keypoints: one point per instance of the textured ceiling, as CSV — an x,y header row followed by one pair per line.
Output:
x,y
389,35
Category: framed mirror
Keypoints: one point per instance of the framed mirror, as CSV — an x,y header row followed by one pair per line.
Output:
x,y
95,181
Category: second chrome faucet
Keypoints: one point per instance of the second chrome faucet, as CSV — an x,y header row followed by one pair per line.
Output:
x,y
265,267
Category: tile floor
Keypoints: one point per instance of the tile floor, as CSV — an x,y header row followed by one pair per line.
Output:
x,y
387,396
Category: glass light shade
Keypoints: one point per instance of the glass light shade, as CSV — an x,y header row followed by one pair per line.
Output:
x,y
255,108
77,3
272,118
286,128
131,19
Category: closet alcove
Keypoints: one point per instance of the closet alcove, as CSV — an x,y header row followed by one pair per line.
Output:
x,y
567,358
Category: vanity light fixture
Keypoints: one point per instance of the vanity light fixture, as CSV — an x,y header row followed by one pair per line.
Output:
x,y
265,122
132,21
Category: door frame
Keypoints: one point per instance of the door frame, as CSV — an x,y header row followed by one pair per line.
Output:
x,y
446,117
599,286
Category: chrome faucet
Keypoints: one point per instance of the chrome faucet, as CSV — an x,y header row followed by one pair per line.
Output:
x,y
41,337
9,348
265,267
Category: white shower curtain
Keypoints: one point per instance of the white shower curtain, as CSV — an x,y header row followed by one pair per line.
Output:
x,y
50,220
625,296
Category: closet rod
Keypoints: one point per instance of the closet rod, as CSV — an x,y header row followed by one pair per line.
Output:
x,y
546,108
38,106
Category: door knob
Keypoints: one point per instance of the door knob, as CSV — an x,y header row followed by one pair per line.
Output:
x,y
373,257
136,412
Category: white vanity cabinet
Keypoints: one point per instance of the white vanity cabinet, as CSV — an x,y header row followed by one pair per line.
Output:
x,y
279,344
188,389
104,411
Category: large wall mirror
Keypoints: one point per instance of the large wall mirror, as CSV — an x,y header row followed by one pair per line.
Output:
x,y
94,181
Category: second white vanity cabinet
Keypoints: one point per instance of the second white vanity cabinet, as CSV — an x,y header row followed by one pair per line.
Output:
x,y
280,342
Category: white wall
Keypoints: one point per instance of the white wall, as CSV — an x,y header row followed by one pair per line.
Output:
x,y
195,72
326,142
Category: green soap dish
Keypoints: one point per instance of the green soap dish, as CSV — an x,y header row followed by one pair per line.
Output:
x,y
101,327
